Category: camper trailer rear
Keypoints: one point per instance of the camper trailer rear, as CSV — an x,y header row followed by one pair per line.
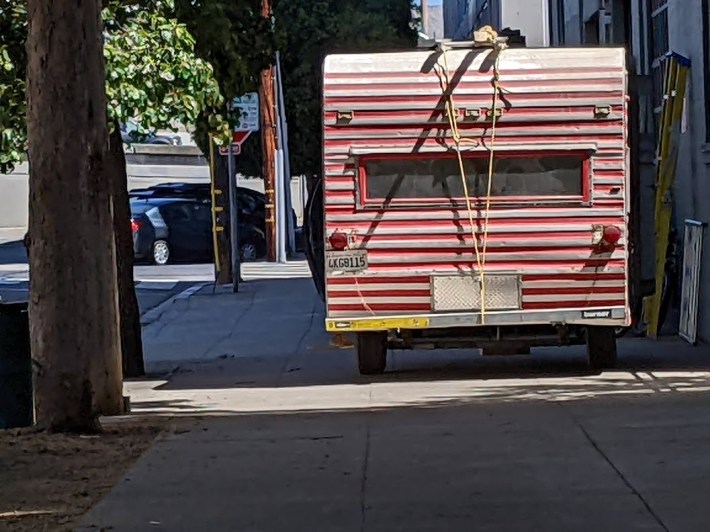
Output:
x,y
450,224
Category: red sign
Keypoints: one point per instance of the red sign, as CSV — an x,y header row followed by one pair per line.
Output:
x,y
238,138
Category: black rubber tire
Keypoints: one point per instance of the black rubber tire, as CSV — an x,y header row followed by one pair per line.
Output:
x,y
601,347
372,353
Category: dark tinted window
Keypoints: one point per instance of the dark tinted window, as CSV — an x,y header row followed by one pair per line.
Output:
x,y
141,207
433,178
178,212
203,214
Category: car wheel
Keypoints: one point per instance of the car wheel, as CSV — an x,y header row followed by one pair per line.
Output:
x,y
249,252
161,253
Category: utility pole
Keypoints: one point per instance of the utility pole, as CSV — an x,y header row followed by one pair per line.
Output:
x,y
267,103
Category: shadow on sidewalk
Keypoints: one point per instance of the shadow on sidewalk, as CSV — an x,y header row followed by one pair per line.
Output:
x,y
440,465
236,387
338,367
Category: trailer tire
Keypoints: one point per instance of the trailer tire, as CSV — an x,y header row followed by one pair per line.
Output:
x,y
372,353
601,347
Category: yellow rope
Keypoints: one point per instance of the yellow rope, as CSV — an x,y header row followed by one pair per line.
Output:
x,y
456,135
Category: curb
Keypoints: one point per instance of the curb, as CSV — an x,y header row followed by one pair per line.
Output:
x,y
154,314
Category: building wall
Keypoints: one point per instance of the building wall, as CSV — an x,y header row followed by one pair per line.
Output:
x,y
687,35
433,18
530,16
692,193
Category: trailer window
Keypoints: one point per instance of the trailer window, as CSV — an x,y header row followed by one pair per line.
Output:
x,y
439,177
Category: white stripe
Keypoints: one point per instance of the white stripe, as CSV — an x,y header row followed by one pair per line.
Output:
x,y
373,287
376,300
572,283
483,80
539,285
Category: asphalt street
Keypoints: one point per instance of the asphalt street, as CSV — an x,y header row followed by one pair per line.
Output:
x,y
154,284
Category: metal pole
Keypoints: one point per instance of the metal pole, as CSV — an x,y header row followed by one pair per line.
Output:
x,y
288,195
268,142
233,219
280,208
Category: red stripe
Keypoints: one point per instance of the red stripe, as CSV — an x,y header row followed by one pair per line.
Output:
x,y
375,280
553,305
579,290
382,307
407,75
379,293
601,276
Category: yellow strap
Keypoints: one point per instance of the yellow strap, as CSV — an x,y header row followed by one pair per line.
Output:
x,y
458,141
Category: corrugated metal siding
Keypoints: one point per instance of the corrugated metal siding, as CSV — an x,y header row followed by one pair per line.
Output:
x,y
398,105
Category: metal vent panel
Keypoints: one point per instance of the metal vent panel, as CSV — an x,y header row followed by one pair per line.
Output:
x,y
690,291
463,292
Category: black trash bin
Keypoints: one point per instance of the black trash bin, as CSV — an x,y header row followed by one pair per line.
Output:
x,y
16,399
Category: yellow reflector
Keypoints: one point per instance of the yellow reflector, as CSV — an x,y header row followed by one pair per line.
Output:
x,y
376,324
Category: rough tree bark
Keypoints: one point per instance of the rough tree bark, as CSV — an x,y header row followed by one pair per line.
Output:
x,y
73,296
130,320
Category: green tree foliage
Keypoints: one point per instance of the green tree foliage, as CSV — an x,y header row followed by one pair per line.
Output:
x,y
13,65
314,29
233,37
153,73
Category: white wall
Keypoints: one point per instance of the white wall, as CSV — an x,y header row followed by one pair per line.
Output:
x,y
692,191
14,188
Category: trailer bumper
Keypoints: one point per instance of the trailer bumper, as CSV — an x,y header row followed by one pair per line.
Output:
x,y
613,317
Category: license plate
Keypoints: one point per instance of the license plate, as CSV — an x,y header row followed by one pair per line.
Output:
x,y
346,261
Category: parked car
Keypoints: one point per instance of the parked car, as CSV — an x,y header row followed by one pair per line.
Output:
x,y
180,229
129,135
252,203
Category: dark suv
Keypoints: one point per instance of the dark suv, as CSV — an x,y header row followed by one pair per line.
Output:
x,y
252,203
180,229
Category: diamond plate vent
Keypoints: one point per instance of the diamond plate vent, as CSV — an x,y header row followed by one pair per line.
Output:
x,y
463,292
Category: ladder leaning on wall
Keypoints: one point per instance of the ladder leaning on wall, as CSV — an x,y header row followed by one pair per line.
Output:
x,y
675,83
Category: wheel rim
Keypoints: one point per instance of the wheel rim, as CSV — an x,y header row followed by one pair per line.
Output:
x,y
249,252
161,253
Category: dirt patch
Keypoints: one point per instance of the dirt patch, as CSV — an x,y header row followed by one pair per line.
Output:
x,y
48,481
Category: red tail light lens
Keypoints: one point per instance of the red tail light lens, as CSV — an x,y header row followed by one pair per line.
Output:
x,y
135,226
611,235
338,241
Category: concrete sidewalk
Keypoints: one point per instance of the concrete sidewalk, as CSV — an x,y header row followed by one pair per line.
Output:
x,y
288,437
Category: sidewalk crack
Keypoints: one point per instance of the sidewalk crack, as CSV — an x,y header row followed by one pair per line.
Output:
x,y
623,478
365,467
299,344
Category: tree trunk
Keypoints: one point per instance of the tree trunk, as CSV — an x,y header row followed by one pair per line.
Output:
x,y
73,296
130,319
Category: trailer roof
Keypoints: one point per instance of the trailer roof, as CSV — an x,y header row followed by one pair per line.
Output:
x,y
423,61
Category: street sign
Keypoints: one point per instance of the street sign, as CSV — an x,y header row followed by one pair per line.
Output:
x,y
238,138
248,106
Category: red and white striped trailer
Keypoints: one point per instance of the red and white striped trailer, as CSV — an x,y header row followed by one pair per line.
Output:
x,y
448,224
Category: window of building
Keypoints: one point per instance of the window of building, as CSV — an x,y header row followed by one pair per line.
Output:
x,y
437,179
705,10
659,48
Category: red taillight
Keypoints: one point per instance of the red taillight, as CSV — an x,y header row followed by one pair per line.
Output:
x,y
338,241
611,235
135,226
